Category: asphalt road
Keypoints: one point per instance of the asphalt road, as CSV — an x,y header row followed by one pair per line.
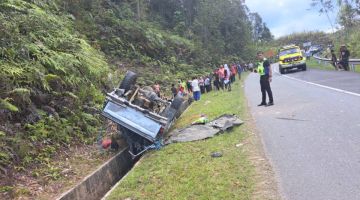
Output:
x,y
312,133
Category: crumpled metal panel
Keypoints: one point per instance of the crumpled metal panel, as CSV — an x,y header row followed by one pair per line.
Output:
x,y
133,120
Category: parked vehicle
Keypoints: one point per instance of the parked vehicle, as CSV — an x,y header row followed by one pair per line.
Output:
x,y
314,49
142,117
291,57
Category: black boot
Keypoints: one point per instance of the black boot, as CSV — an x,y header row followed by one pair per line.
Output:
x,y
270,104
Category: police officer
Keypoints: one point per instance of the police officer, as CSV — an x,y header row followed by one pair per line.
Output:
x,y
265,72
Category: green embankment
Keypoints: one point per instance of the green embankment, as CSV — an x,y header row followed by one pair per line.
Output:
x,y
59,57
187,170
313,63
50,87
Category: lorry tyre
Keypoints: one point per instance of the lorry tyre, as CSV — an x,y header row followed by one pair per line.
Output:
x,y
128,81
282,71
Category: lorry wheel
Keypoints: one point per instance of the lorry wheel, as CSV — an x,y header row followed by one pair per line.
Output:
x,y
282,71
128,81
176,103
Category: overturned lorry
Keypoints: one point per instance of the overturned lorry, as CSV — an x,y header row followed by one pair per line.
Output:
x,y
142,117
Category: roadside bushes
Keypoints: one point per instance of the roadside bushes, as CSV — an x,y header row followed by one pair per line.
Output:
x,y
50,79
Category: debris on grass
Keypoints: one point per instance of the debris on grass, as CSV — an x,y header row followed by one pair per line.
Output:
x,y
239,145
202,120
200,132
226,121
216,155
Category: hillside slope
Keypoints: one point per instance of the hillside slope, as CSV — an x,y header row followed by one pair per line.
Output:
x,y
59,57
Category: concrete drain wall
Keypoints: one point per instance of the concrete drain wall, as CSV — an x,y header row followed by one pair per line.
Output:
x,y
97,184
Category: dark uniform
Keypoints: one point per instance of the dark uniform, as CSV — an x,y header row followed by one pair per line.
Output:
x,y
334,59
264,71
344,58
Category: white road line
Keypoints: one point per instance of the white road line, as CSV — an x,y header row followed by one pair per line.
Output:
x,y
316,84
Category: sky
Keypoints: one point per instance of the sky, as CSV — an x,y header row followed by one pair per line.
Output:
x,y
284,17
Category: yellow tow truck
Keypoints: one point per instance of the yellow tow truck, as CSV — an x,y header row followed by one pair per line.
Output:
x,y
291,57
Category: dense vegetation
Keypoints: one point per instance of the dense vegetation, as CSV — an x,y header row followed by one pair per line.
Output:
x,y
49,82
348,22
58,57
300,38
345,29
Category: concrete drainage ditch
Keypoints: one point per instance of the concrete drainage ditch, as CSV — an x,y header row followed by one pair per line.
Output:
x,y
100,183
97,184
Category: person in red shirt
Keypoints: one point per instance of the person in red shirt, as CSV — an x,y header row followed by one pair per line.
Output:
x,y
181,88
221,73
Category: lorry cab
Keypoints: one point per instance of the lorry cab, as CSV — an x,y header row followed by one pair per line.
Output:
x,y
142,117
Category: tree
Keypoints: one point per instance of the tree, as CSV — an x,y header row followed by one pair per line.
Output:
x,y
223,26
257,25
260,30
349,12
266,34
325,7
347,16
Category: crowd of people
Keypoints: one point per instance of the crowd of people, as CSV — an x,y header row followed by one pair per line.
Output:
x,y
220,80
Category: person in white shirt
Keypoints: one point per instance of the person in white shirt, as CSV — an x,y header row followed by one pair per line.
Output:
x,y
195,89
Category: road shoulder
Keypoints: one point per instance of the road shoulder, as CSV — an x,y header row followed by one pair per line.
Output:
x,y
266,186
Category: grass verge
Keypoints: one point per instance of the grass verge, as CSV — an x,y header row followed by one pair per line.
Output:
x,y
186,170
312,63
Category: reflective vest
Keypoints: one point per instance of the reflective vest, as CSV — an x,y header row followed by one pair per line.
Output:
x,y
260,68
183,84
